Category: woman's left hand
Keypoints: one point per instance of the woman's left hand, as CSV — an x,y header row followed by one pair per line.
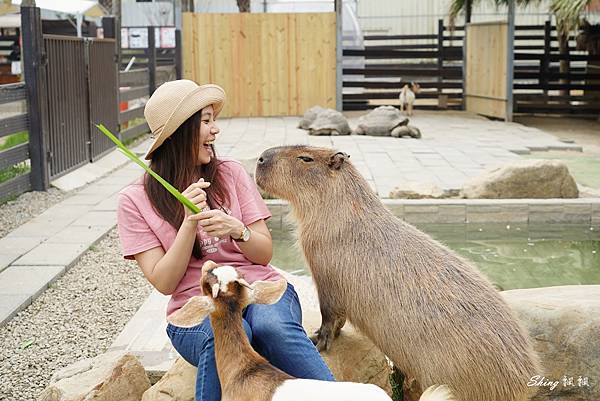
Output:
x,y
217,223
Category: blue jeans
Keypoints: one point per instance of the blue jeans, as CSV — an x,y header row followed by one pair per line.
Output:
x,y
275,331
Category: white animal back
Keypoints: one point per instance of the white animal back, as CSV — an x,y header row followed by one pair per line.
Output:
x,y
437,393
316,390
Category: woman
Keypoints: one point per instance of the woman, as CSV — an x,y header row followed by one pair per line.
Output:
x,y
170,243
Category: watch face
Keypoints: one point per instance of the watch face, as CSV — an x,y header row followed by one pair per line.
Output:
x,y
246,234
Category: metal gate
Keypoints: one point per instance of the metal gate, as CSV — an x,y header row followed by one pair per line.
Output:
x,y
82,90
103,93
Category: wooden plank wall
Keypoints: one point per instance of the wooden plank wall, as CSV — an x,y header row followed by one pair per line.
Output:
x,y
268,64
486,69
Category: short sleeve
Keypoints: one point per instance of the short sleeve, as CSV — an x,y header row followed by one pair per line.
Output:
x,y
134,232
252,205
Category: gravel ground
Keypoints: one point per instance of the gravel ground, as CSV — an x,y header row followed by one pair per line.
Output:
x,y
27,206
77,317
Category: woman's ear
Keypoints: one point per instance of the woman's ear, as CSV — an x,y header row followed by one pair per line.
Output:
x,y
267,292
193,312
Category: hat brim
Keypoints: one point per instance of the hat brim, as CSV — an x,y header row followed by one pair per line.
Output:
x,y
199,98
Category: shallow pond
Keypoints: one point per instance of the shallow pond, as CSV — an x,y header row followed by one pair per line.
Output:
x,y
511,256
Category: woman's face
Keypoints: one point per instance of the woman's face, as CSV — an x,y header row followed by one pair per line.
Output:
x,y
208,133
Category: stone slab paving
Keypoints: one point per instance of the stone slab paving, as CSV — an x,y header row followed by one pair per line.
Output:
x,y
39,251
455,146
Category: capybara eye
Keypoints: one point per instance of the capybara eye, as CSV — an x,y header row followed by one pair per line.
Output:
x,y
306,159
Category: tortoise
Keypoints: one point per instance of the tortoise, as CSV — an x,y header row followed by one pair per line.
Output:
x,y
309,117
329,122
385,121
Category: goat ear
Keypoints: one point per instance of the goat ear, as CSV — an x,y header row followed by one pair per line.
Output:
x,y
193,312
267,292
337,159
209,264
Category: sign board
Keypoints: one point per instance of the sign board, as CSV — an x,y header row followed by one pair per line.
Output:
x,y
137,38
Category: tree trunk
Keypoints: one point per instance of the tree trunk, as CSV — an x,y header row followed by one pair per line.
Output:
x,y
187,6
468,10
563,48
243,6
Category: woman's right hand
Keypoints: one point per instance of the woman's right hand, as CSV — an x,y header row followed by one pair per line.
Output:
x,y
195,193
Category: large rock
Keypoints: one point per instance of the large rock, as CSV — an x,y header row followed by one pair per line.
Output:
x,y
417,190
178,384
352,357
564,324
524,179
114,376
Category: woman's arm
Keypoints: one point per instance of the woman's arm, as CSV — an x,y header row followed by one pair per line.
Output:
x,y
165,270
216,223
259,248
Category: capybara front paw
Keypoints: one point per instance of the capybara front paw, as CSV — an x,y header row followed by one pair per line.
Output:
x,y
322,339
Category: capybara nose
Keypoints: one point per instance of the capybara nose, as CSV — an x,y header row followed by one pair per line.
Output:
x,y
260,160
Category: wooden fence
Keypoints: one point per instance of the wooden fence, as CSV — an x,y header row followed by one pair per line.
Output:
x,y
14,160
152,67
540,87
268,64
71,84
391,61
486,87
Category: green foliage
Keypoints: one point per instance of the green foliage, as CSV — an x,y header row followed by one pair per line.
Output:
x,y
567,12
13,171
396,381
14,140
185,201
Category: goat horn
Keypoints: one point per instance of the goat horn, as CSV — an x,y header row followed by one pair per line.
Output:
x,y
215,290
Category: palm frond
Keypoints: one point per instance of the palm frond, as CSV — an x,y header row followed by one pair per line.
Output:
x,y
568,13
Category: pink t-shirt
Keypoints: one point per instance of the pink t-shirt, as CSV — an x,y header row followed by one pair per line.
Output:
x,y
141,229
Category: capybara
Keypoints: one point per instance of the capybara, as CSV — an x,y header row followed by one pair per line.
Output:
x,y
428,309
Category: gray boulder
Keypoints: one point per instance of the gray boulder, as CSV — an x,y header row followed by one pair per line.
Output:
x,y
114,376
564,325
539,179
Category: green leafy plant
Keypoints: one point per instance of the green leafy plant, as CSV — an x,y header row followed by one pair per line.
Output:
x,y
123,149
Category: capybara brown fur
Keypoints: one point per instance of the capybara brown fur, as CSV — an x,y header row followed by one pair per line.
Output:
x,y
429,310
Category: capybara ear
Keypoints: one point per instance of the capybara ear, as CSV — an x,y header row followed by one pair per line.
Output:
x,y
337,159
267,292
193,312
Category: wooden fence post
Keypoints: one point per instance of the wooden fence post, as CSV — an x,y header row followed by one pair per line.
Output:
x,y
442,104
545,62
151,60
34,62
178,60
339,46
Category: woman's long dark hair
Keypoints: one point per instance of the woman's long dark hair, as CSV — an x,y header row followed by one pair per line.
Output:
x,y
176,160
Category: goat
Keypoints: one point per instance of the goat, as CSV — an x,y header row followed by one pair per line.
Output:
x,y
407,97
244,374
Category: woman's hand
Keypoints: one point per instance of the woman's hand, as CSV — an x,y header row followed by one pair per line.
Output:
x,y
195,193
217,223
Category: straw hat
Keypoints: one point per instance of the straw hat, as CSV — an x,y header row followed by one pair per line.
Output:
x,y
174,102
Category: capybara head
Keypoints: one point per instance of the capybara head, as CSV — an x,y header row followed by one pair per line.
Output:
x,y
291,171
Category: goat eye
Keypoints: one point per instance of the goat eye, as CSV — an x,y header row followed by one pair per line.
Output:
x,y
306,159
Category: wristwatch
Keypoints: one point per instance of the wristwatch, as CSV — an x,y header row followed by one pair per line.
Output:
x,y
244,236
